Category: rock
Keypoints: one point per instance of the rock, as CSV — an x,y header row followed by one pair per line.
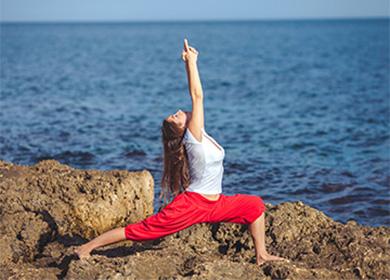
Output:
x,y
49,200
48,208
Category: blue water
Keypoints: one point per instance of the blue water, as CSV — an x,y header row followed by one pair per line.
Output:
x,y
301,107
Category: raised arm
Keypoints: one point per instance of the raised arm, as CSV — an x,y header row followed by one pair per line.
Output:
x,y
196,123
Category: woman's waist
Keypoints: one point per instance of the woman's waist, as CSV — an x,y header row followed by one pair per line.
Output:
x,y
207,187
205,197
210,196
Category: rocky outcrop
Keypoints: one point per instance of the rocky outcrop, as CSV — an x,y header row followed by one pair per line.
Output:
x,y
48,208
50,201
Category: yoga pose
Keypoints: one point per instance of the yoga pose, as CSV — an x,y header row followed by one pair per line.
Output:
x,y
193,170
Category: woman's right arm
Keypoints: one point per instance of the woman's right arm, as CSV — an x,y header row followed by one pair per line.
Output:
x,y
196,123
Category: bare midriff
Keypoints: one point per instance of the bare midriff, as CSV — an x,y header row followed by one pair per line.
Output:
x,y
211,196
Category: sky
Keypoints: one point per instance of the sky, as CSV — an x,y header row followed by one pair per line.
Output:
x,y
156,10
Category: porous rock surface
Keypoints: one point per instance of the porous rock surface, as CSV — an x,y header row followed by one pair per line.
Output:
x,y
49,208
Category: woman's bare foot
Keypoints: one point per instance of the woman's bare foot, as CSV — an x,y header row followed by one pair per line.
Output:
x,y
82,252
259,261
264,257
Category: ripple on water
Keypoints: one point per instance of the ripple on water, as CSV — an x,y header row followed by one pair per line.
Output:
x,y
379,212
330,188
134,153
69,156
303,191
349,199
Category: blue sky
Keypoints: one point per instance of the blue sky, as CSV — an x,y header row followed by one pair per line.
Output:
x,y
122,10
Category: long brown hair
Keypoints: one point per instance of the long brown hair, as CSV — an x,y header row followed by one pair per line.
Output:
x,y
176,175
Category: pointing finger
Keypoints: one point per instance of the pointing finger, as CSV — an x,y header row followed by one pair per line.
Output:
x,y
186,48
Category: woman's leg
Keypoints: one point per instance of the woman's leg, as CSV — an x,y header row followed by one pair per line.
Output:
x,y
109,237
245,209
177,215
257,230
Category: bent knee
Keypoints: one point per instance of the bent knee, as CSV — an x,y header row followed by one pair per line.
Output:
x,y
257,208
257,202
261,203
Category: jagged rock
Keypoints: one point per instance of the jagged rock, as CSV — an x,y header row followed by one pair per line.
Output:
x,y
48,208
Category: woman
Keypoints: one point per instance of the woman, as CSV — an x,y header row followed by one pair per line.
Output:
x,y
193,170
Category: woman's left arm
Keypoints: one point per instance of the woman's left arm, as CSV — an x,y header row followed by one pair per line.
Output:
x,y
196,124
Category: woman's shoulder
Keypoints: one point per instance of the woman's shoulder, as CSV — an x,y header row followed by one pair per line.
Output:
x,y
190,138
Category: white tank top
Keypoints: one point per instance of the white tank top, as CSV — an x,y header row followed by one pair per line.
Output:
x,y
205,161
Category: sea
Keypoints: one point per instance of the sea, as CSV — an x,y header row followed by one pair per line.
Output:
x,y
301,107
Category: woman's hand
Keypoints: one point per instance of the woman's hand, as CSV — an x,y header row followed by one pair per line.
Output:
x,y
189,54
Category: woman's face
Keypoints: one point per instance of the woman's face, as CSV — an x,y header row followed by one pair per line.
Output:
x,y
179,118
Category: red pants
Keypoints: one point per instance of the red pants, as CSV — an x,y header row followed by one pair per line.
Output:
x,y
190,208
